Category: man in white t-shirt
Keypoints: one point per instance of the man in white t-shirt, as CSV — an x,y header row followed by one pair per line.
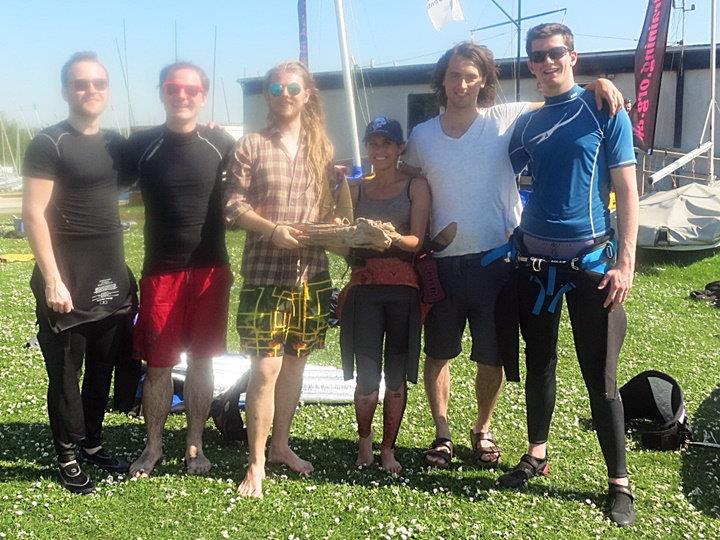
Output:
x,y
463,152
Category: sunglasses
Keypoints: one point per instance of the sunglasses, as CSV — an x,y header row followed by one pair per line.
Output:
x,y
556,53
276,89
82,85
174,89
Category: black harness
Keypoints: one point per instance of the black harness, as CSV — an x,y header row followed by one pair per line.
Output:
x,y
594,260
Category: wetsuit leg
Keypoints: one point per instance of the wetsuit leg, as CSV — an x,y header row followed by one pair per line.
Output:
x,y
589,321
103,345
398,304
397,313
540,333
63,354
368,334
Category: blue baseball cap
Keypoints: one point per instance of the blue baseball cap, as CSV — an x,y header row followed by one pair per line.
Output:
x,y
387,127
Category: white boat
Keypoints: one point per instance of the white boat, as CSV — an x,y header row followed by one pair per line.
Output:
x,y
321,384
682,219
9,179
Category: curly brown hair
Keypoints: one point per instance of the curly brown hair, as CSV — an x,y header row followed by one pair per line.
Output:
x,y
483,59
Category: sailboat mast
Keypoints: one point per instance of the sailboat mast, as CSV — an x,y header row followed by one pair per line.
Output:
x,y
711,153
349,89
302,32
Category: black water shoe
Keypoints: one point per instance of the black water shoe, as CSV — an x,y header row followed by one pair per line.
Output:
x,y
528,468
621,509
105,460
74,479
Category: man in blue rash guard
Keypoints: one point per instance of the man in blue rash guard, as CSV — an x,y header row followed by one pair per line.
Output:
x,y
565,242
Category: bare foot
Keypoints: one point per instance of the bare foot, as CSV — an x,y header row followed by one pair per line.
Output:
x,y
251,486
143,466
286,456
196,462
388,461
365,451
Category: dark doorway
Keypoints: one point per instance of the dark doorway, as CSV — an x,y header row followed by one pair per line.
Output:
x,y
420,107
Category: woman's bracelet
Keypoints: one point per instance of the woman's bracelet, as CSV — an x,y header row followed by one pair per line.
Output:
x,y
273,231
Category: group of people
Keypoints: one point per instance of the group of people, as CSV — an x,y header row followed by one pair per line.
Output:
x,y
508,268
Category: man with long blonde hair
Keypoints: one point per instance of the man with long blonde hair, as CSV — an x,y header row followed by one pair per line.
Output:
x,y
280,176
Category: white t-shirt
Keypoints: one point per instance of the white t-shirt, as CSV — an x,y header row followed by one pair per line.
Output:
x,y
471,178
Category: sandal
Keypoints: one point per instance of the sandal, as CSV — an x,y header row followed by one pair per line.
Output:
x,y
440,453
529,467
105,460
481,453
621,508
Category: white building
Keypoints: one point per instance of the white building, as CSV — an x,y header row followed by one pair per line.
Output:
x,y
404,93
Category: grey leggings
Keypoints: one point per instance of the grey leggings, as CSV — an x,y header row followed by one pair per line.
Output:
x,y
381,314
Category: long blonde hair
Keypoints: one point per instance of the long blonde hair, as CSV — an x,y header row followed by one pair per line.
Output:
x,y
312,119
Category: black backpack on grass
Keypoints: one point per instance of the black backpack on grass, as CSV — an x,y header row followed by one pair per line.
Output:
x,y
653,403
225,412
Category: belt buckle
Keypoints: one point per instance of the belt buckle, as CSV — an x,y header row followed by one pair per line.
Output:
x,y
536,264
573,264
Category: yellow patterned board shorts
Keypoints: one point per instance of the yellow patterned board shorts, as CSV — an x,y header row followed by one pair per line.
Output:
x,y
272,321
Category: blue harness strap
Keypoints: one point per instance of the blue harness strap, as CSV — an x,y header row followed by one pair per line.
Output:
x,y
507,251
597,261
556,300
552,274
537,308
545,292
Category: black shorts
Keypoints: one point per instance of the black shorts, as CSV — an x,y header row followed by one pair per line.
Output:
x,y
471,292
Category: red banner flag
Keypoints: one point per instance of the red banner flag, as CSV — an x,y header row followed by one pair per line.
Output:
x,y
649,58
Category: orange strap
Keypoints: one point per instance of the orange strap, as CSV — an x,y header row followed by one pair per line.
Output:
x,y
382,271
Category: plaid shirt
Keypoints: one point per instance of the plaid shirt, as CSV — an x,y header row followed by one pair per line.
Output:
x,y
264,178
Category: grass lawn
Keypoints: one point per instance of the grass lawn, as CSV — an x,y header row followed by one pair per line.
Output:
x,y
678,493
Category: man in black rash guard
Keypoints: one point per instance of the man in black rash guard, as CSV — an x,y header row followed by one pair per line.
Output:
x,y
84,291
186,279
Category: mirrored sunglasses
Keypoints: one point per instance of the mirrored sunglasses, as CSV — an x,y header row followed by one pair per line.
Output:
x,y
82,85
276,89
556,53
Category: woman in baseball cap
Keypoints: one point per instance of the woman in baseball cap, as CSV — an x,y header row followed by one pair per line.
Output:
x,y
381,301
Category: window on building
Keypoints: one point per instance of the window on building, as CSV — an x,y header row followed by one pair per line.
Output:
x,y
420,107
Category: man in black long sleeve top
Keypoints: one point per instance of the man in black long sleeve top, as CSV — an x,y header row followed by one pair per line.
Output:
x,y
186,279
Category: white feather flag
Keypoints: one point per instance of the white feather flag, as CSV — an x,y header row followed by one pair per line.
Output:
x,y
442,12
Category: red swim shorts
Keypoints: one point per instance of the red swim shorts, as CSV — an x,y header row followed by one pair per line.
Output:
x,y
183,311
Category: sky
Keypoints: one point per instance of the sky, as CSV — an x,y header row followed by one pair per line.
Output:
x,y
37,37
